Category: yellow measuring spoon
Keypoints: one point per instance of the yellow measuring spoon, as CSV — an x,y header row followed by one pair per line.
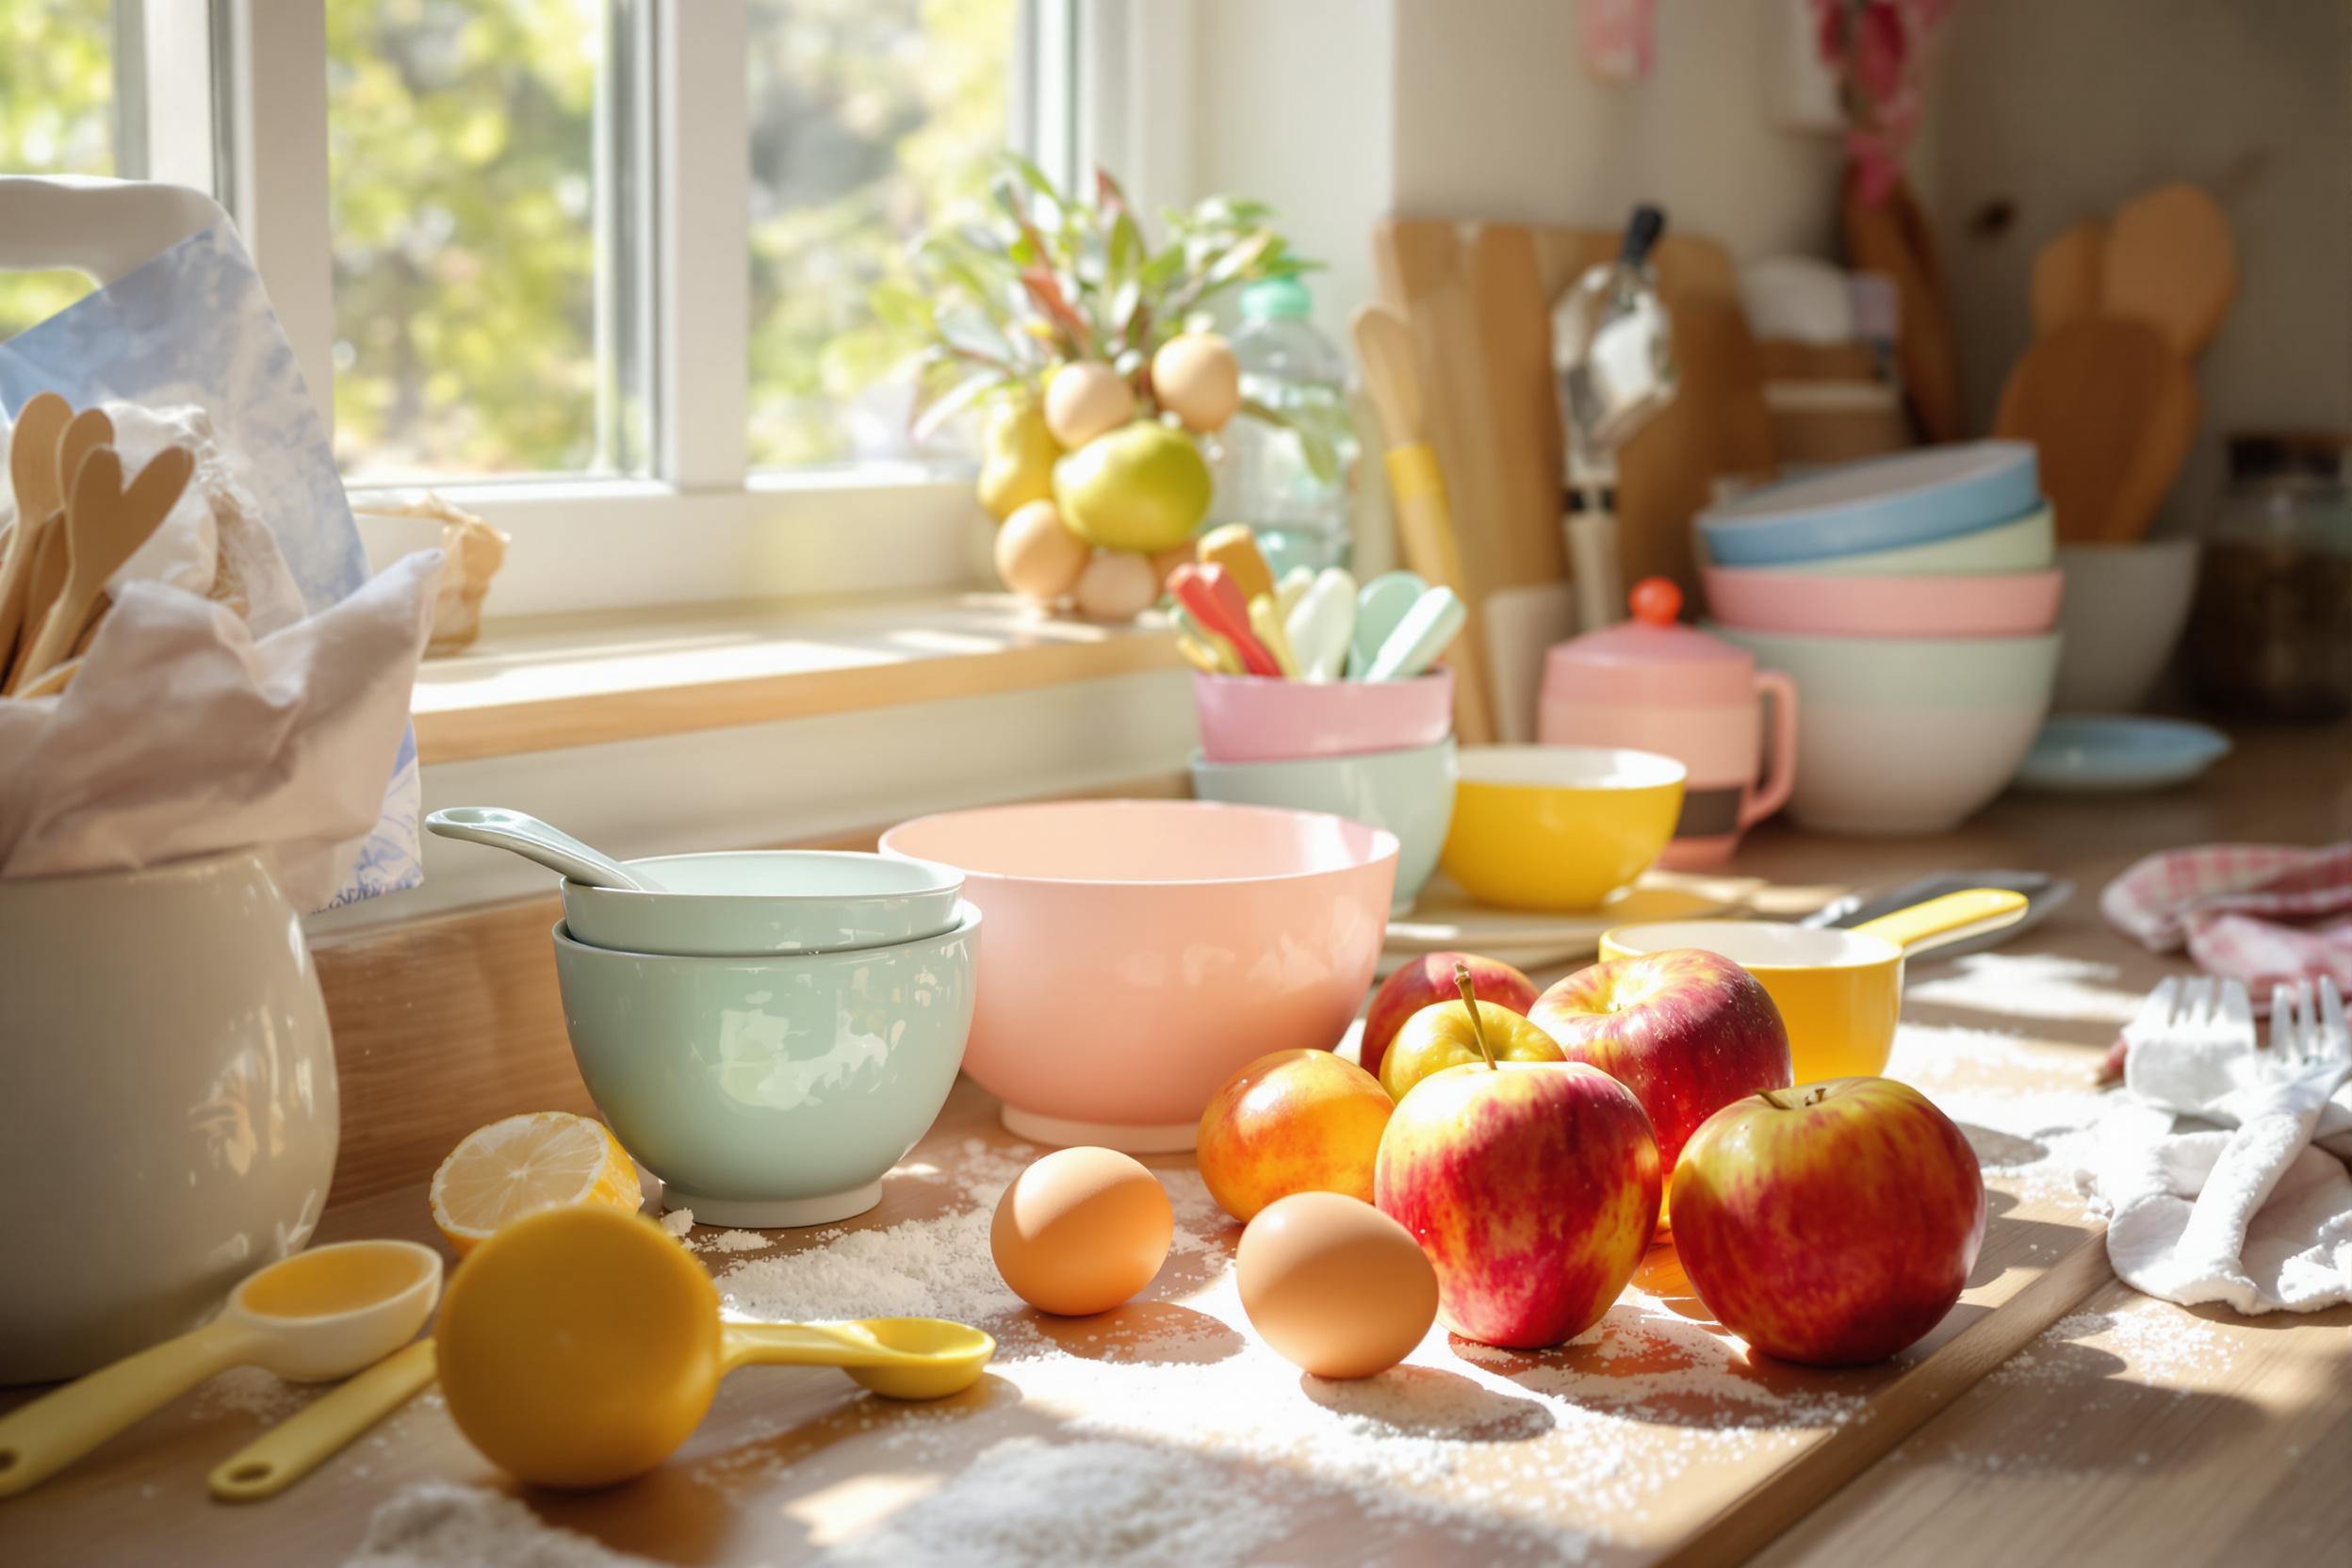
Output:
x,y
320,1429
315,1317
579,1347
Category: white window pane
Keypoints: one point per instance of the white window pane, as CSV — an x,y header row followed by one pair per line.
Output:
x,y
462,140
869,118
56,117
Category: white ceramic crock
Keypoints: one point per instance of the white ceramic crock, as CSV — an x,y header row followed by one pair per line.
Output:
x,y
168,1106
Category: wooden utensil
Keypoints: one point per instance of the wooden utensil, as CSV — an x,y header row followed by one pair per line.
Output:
x,y
1425,526
2065,280
1479,299
33,477
2111,407
104,525
1894,237
2170,261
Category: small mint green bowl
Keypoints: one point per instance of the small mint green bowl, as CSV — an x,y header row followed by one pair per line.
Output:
x,y
773,1090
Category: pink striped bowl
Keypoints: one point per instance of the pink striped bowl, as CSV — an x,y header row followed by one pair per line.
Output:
x,y
2009,604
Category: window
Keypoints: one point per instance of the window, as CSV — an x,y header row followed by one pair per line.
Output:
x,y
57,116
871,121
607,271
476,255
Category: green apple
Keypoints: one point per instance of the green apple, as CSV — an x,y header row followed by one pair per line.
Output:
x,y
1143,487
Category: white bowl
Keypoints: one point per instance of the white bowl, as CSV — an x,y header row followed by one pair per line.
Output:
x,y
1907,736
2123,613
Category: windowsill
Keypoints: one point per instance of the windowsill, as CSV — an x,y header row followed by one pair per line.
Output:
x,y
541,682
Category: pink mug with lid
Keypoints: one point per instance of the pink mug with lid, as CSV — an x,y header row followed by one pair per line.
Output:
x,y
1653,684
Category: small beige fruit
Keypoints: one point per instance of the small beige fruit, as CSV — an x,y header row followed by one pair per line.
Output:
x,y
1196,377
1037,555
1116,585
1084,400
1164,562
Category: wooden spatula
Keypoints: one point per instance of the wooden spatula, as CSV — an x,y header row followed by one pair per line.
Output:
x,y
1425,528
2066,276
106,523
33,475
2170,261
2111,408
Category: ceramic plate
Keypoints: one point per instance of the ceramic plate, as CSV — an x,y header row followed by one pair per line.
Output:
x,y
2098,753
1445,919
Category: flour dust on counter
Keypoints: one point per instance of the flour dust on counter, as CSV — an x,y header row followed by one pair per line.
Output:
x,y
438,1524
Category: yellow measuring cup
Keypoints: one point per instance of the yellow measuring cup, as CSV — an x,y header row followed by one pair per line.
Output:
x,y
1838,991
315,1317
579,1347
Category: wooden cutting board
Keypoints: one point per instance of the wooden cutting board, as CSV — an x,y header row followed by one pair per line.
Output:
x,y
2111,407
1479,299
1894,237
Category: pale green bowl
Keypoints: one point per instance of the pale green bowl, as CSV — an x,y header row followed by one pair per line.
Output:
x,y
762,900
2027,544
773,1091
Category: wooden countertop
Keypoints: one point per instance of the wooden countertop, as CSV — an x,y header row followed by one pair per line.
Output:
x,y
2111,1428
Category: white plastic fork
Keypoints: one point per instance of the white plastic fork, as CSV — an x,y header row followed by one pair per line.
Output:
x,y
2307,1025
2191,1045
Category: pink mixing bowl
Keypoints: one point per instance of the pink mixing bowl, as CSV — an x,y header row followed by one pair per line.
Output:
x,y
2006,604
1248,719
1140,951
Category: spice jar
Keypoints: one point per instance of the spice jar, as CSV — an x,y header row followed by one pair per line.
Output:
x,y
2270,635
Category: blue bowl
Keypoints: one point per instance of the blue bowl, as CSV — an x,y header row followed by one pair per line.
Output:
x,y
771,1090
1885,503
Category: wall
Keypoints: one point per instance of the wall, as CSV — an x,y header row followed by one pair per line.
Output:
x,y
2065,110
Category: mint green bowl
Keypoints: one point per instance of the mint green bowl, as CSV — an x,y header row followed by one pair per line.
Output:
x,y
773,1090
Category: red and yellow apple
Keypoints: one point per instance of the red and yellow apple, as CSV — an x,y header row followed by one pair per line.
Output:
x,y
1428,980
1687,1032
1439,1037
1533,1187
1291,1121
1831,1224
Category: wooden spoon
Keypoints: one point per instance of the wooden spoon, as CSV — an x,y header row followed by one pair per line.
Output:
x,y
2111,408
33,475
2170,261
105,524
2066,276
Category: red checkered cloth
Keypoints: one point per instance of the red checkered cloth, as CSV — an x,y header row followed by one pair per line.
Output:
x,y
2261,913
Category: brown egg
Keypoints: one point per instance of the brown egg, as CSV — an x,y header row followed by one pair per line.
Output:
x,y
1086,399
1116,585
1081,1231
1168,561
1037,555
1196,377
1335,1285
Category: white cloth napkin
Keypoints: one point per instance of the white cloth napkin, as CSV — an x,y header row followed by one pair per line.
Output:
x,y
183,735
2224,1179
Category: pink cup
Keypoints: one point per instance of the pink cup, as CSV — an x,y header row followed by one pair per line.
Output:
x,y
1249,719
1141,951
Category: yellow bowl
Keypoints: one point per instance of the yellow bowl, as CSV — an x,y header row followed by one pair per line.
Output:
x,y
1558,828
1838,993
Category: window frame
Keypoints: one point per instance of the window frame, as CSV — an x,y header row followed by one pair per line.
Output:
x,y
1097,81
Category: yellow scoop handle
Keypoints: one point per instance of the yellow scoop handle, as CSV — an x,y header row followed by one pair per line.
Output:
x,y
53,1431
902,1358
1954,917
304,1441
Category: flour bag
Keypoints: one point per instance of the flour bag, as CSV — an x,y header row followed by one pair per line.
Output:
x,y
192,326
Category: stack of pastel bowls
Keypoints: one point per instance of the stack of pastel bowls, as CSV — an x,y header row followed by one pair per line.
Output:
x,y
770,1032
1913,599
1378,752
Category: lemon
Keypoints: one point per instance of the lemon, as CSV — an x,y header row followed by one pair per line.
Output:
x,y
1144,487
540,1160
1018,456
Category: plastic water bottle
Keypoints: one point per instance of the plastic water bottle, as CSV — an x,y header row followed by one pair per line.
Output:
x,y
1290,484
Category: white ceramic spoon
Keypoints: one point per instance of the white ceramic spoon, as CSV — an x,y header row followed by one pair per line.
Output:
x,y
533,840
1425,633
1319,624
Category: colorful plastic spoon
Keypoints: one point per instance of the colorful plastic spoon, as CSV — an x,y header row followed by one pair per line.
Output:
x,y
1268,623
1235,549
1216,604
1425,632
1320,625
1379,605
